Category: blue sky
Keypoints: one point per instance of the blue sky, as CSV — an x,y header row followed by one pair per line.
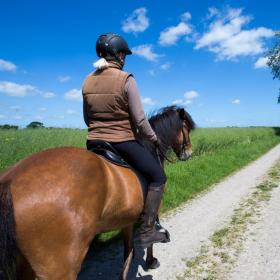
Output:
x,y
207,56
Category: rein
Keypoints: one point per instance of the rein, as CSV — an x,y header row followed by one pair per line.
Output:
x,y
184,144
158,152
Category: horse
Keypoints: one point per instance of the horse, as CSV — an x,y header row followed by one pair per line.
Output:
x,y
53,203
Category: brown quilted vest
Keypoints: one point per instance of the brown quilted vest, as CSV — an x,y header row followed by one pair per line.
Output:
x,y
107,105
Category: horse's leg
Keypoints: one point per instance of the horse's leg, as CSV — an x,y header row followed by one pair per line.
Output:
x,y
56,256
151,261
23,269
61,268
128,251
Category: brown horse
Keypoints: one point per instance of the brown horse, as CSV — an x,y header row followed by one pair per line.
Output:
x,y
54,202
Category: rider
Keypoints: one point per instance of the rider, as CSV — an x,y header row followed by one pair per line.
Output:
x,y
113,112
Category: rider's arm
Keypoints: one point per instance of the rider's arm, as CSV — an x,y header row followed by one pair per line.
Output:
x,y
136,110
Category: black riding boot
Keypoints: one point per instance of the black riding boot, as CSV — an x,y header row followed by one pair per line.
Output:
x,y
148,232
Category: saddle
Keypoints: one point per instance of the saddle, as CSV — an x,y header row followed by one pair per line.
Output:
x,y
106,150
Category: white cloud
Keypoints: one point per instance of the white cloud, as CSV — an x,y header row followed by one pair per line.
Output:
x,y
187,98
74,95
148,101
236,101
212,11
7,66
146,51
15,108
42,109
165,66
186,16
3,117
178,101
19,90
64,79
71,112
191,94
48,94
261,62
14,89
18,117
136,22
152,72
226,38
172,34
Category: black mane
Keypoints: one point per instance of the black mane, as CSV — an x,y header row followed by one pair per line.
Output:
x,y
167,122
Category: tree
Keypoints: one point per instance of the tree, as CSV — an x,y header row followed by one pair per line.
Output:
x,y
35,125
274,60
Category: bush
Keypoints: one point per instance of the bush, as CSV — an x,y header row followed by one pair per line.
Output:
x,y
35,125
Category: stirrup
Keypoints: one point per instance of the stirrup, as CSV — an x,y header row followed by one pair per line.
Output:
x,y
161,229
148,241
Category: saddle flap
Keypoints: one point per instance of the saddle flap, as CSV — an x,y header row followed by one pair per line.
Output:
x,y
106,150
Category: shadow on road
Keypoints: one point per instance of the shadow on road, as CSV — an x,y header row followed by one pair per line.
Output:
x,y
106,264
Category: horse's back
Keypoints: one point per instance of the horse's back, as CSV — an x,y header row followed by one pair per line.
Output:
x,y
74,175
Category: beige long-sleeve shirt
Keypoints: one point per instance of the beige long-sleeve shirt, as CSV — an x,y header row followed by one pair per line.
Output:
x,y
136,110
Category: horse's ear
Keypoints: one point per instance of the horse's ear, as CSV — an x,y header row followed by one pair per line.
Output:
x,y
182,113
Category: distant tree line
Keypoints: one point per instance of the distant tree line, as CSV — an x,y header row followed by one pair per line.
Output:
x,y
31,125
8,126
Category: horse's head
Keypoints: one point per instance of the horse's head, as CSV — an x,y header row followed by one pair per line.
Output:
x,y
172,126
182,145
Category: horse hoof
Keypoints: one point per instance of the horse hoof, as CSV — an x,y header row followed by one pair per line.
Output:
x,y
153,263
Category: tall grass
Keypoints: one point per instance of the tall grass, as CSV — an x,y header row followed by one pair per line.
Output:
x,y
17,144
217,154
217,151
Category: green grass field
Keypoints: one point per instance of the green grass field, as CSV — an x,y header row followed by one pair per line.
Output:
x,y
218,152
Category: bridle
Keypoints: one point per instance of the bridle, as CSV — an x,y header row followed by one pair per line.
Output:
x,y
184,144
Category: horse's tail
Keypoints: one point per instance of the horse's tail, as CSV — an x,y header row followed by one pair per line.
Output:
x,y
7,233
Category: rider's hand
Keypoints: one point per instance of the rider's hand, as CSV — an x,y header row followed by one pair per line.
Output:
x,y
157,143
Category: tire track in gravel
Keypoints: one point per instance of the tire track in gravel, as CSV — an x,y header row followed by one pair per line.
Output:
x,y
260,259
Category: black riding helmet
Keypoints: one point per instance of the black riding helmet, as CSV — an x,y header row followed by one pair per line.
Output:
x,y
110,44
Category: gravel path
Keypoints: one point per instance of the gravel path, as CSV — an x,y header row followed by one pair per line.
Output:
x,y
189,227
260,259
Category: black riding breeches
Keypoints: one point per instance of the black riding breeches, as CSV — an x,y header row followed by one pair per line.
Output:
x,y
143,161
